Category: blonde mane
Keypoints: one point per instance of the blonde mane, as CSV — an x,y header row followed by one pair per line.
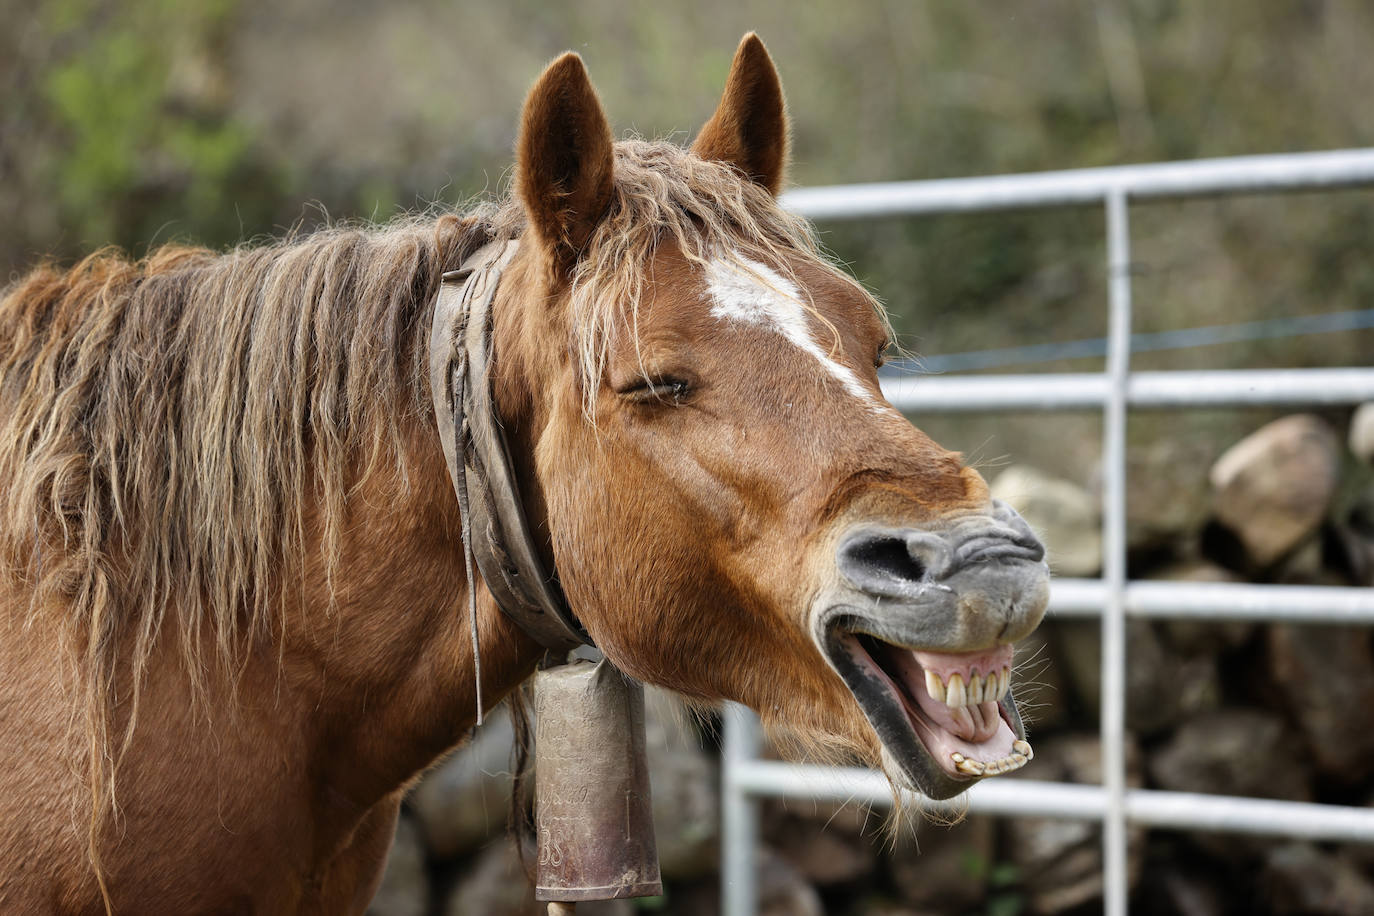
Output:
x,y
168,422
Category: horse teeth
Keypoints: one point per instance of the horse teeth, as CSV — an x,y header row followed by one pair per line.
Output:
x,y
969,688
1013,761
934,686
968,767
954,691
964,719
1023,748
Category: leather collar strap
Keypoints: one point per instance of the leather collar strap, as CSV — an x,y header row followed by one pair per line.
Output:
x,y
495,528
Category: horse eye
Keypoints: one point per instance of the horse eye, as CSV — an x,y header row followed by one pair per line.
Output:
x,y
881,357
667,390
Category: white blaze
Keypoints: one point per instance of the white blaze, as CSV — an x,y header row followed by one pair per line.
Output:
x,y
762,296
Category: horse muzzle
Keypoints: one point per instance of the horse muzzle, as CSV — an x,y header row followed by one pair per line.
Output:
x,y
920,625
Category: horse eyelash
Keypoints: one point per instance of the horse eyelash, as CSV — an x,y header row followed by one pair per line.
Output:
x,y
665,389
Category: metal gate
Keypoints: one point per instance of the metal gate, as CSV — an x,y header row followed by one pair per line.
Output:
x,y
1114,390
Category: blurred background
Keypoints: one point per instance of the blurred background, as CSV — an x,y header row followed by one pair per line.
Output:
x,y
139,122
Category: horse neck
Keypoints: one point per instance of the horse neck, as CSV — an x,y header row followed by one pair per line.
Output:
x,y
385,654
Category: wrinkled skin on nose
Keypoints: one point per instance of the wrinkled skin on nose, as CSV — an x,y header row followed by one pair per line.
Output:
x,y
975,578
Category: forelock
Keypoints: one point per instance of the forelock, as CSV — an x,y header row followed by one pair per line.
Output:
x,y
710,210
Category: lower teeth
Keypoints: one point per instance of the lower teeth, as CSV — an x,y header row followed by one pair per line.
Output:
x,y
1020,755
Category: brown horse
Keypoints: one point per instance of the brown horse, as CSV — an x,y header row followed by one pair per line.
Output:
x,y
233,630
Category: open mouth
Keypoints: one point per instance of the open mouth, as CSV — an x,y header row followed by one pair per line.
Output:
x,y
945,717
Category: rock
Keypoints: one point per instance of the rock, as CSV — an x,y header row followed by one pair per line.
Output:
x,y
1191,637
1272,489
684,783
1151,673
1075,757
1361,438
1233,752
944,869
1349,550
1360,855
1078,657
1166,499
463,803
1064,514
880,907
1189,895
1060,861
404,890
1299,878
493,885
1307,564
783,890
496,885
1162,688
1326,675
828,842
824,856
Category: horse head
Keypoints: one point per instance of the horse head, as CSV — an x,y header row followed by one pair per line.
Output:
x,y
733,509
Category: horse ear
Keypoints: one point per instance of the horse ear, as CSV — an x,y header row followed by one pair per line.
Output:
x,y
564,163
749,128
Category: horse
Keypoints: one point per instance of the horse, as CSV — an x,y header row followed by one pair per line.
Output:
x,y
234,625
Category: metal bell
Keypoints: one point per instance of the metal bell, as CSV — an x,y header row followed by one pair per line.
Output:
x,y
592,812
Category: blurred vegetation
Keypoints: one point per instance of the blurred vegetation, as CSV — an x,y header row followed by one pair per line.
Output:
x,y
139,121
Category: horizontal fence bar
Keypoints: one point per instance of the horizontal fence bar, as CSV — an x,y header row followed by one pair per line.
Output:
x,y
1073,391
1152,342
1218,601
1199,177
1032,798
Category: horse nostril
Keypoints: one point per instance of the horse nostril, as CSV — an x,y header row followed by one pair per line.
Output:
x,y
891,556
891,563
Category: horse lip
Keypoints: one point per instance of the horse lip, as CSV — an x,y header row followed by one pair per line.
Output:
x,y
885,711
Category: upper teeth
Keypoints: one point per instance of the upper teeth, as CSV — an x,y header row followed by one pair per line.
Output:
x,y
977,688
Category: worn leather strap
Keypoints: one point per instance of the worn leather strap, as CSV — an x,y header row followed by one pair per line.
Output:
x,y
495,527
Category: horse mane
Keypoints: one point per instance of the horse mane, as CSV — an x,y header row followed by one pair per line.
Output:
x,y
167,422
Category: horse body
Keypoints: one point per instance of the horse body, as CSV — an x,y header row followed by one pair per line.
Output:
x,y
277,793
233,590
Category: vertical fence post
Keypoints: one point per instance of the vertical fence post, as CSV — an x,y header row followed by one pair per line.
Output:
x,y
739,815
1115,883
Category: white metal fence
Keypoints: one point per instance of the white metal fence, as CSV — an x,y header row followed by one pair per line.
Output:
x,y
1114,390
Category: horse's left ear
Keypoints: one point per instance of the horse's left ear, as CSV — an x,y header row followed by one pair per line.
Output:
x,y
749,128
564,158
